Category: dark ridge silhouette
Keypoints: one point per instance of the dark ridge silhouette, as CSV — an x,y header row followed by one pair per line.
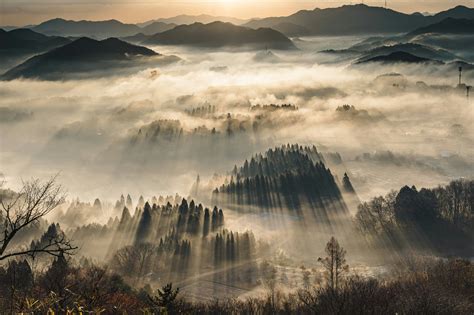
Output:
x,y
84,53
219,34
399,57
356,19
291,29
157,27
459,63
97,29
190,19
112,48
26,40
447,26
458,12
418,50
135,39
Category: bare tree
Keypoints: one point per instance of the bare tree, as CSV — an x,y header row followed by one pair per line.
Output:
x,y
21,210
334,263
269,279
134,261
306,273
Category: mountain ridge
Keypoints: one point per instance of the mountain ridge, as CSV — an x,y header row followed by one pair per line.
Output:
x,y
97,29
447,26
28,40
191,19
219,34
82,55
359,19
398,57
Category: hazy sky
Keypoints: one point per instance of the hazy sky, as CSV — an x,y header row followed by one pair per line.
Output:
x,y
22,12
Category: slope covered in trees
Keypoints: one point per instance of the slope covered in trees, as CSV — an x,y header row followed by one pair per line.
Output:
x,y
84,55
172,242
291,177
27,41
436,220
219,34
447,26
355,19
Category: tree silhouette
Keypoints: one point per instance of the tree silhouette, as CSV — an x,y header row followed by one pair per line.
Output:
x,y
334,263
166,297
346,184
269,279
145,225
35,200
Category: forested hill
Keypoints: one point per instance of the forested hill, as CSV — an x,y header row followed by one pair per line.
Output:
x,y
290,177
218,34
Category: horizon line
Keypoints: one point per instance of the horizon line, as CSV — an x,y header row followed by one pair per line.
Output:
x,y
234,17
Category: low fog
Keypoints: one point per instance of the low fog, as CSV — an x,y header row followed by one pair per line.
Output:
x,y
130,145
88,130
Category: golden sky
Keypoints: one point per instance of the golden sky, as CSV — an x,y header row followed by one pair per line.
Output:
x,y
22,12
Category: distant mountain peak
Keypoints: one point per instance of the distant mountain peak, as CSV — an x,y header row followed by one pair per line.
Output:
x,y
449,25
97,29
24,40
58,19
86,46
461,7
221,34
82,55
399,57
355,19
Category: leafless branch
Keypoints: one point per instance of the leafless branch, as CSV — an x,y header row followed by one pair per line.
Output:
x,y
35,200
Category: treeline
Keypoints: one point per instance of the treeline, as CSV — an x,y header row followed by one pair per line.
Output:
x,y
161,200
274,107
225,125
164,129
441,218
285,177
79,212
201,111
287,158
233,247
152,222
169,241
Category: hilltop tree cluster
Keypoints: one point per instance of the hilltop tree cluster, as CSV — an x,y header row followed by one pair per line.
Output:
x,y
418,216
285,177
201,111
274,107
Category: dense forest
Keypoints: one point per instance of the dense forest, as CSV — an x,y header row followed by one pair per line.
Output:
x,y
166,254
290,177
439,219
